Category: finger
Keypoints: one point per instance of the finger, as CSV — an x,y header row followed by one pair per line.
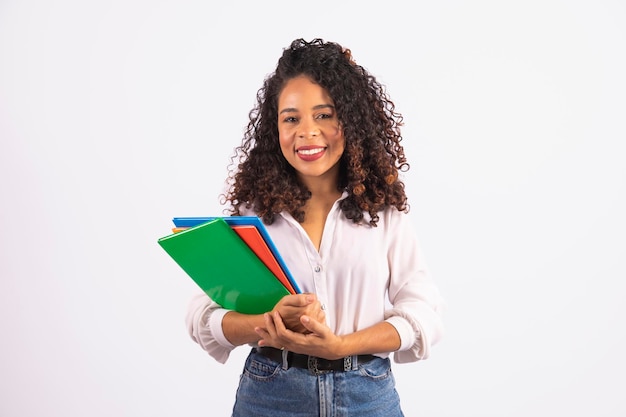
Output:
x,y
267,335
264,331
263,336
300,300
313,326
283,333
321,317
270,325
279,326
316,310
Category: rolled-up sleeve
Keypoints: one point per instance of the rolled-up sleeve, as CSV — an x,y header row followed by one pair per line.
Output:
x,y
204,323
417,305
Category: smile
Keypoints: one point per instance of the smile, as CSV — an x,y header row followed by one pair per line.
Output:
x,y
311,151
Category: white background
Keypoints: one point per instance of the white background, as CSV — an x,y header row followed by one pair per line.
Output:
x,y
116,116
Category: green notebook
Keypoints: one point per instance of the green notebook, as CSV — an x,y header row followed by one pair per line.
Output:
x,y
224,267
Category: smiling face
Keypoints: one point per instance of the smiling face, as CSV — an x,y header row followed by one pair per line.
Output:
x,y
310,136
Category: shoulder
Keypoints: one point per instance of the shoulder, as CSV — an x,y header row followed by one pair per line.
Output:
x,y
389,218
393,226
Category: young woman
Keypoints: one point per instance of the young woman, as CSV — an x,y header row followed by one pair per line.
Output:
x,y
319,164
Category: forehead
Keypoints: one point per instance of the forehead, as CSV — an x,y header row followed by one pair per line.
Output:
x,y
302,92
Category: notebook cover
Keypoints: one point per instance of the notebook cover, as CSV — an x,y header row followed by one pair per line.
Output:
x,y
224,267
255,241
244,220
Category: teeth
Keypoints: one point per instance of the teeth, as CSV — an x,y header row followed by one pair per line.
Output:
x,y
310,151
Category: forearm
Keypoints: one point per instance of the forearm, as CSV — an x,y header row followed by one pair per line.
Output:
x,y
381,337
239,328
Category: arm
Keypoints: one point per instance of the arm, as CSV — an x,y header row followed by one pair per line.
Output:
x,y
203,318
320,341
417,305
219,331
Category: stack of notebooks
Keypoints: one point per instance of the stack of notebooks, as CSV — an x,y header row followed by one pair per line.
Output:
x,y
232,259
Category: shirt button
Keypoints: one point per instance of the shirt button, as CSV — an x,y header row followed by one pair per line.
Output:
x,y
318,268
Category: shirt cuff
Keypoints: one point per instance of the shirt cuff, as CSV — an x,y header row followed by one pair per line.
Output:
x,y
215,324
405,330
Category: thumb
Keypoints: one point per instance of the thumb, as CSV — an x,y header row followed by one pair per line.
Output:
x,y
311,325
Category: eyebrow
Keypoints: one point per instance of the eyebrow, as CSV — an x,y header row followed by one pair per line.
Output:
x,y
318,107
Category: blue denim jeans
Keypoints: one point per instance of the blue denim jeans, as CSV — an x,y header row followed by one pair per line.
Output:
x,y
267,389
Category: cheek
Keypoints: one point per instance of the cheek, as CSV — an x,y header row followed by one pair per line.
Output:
x,y
281,136
284,142
338,137
339,140
285,134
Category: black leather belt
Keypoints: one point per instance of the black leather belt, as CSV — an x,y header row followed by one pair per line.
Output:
x,y
312,363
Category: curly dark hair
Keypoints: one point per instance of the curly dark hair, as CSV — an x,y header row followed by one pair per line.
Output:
x,y
372,158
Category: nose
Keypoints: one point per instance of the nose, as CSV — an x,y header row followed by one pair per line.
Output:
x,y
308,129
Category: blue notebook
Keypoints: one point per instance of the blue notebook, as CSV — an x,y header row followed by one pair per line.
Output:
x,y
245,221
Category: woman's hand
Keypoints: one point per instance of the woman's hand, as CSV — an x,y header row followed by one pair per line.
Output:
x,y
318,340
241,328
292,307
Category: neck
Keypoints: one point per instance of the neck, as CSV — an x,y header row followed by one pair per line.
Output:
x,y
324,186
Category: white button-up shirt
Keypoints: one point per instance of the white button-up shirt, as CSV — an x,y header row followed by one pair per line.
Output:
x,y
362,275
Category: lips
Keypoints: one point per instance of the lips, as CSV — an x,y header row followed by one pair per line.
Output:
x,y
310,153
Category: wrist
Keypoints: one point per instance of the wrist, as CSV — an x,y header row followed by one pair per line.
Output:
x,y
342,348
239,329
